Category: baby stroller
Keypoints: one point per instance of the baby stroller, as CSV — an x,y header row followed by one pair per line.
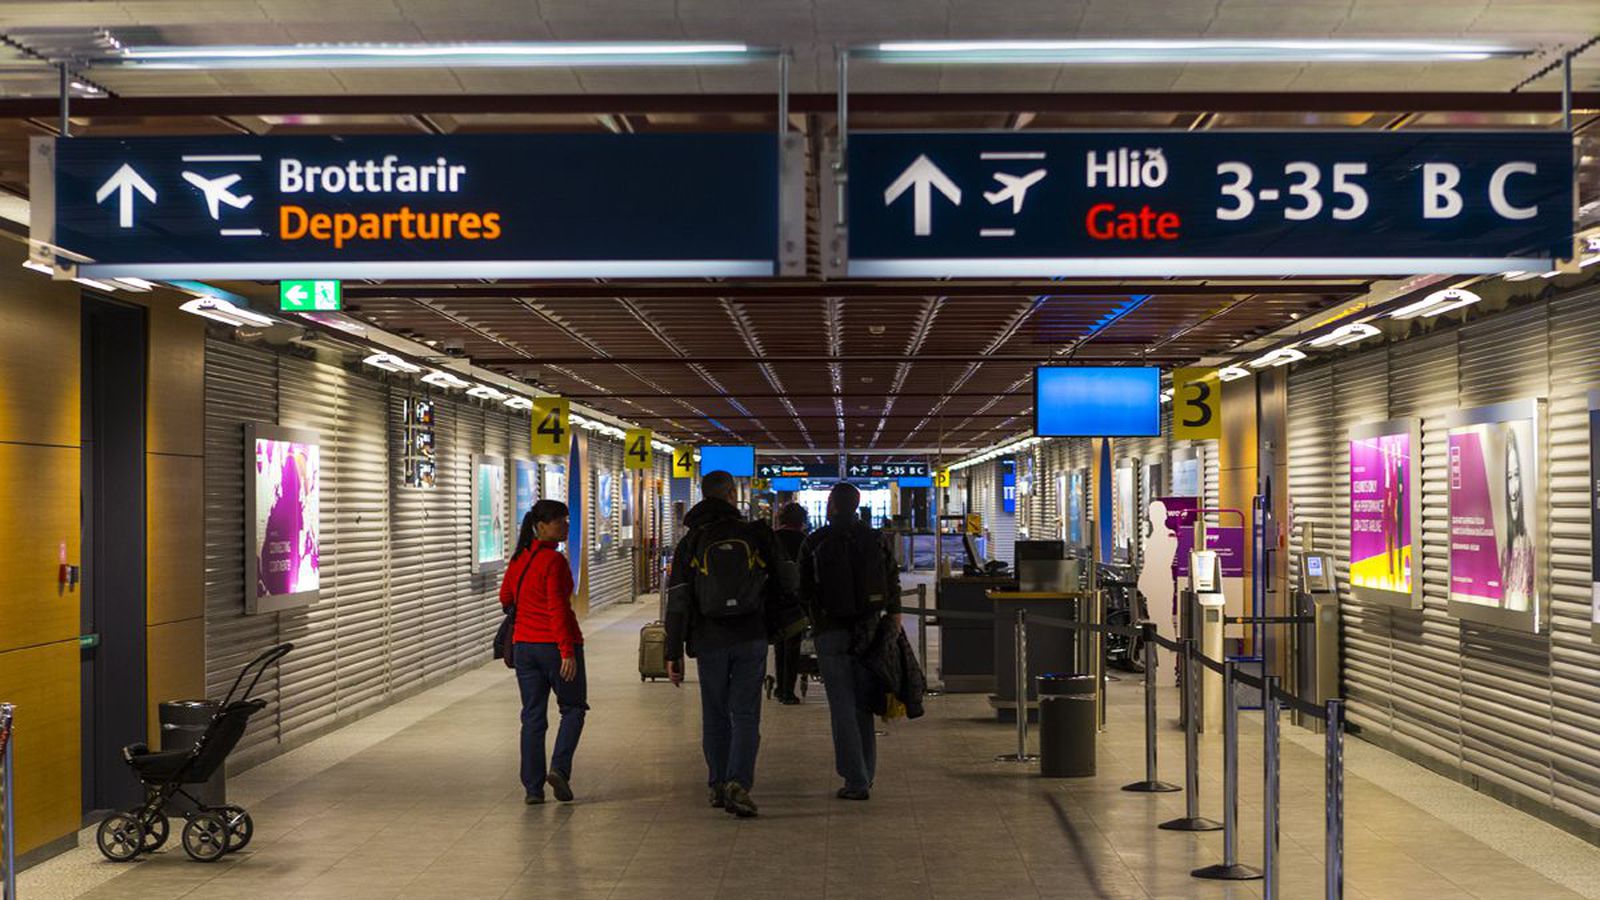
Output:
x,y
210,831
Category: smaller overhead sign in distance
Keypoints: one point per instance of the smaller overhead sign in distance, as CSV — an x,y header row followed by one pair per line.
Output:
x,y
862,468
482,206
798,470
683,462
1097,401
1129,204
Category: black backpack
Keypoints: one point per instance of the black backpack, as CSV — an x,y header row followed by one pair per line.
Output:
x,y
730,574
850,564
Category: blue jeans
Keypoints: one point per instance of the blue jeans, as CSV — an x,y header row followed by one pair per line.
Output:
x,y
539,673
855,740
730,710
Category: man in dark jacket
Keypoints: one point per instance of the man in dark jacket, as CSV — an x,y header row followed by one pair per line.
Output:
x,y
731,650
848,557
792,522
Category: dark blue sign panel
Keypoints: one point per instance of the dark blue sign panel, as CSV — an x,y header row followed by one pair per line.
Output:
x,y
1008,485
538,205
1207,203
798,470
863,468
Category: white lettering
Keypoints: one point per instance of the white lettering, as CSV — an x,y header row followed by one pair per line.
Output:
x,y
333,180
1440,199
373,176
1497,191
1108,168
290,179
1155,167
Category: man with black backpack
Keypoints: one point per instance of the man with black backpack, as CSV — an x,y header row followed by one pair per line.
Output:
x,y
848,582
724,573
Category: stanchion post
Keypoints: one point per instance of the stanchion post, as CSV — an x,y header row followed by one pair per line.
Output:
x,y
1229,869
1270,713
1191,820
1022,755
1334,762
7,780
1151,783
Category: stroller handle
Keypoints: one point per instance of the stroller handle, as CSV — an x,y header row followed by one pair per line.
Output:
x,y
260,664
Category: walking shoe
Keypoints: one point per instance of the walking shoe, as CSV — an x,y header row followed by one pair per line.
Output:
x,y
534,799
738,802
718,797
845,793
790,700
558,784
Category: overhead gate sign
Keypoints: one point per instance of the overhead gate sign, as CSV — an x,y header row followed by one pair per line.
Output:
x,y
480,206
1207,203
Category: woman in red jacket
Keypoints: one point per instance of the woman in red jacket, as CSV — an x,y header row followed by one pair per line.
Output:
x,y
549,649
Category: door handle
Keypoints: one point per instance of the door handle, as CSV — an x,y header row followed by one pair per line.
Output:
x,y
89,641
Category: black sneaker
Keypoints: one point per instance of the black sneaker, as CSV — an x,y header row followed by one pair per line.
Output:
x,y
790,700
534,799
718,797
845,793
738,802
558,784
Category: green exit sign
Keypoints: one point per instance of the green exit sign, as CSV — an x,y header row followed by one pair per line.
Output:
x,y
307,296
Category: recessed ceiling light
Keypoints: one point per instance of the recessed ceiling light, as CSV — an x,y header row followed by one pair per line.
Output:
x,y
1202,50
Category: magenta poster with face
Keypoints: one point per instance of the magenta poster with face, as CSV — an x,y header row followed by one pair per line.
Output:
x,y
1493,483
1384,505
285,511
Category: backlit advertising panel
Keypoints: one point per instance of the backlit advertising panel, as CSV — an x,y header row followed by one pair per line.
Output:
x,y
488,513
1496,518
283,490
1385,512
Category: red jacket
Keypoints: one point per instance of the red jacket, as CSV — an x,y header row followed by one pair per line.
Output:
x,y
544,598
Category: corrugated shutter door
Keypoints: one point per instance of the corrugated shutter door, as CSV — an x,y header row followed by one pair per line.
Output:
x,y
1505,686
361,556
1310,461
610,576
1425,646
407,562
241,386
1360,394
1574,657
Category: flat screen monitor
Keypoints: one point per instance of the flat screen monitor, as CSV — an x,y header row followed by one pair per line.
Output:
x,y
915,481
740,462
789,485
1097,401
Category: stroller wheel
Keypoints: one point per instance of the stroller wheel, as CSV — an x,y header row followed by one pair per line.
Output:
x,y
120,837
241,828
205,837
156,830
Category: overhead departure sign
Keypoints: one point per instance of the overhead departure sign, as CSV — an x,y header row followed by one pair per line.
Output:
x,y
797,470
1207,203
536,205
894,469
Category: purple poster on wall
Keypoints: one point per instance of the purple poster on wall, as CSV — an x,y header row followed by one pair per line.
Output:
x,y
283,559
1384,509
1180,521
1493,482
1228,542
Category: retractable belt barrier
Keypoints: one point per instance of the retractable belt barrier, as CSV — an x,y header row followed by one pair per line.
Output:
x,y
8,817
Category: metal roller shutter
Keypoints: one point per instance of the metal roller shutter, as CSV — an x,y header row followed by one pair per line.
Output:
x,y
360,557
610,575
407,565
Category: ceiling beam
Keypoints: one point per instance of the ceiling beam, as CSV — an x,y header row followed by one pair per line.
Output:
x,y
808,290
810,359
741,395
805,103
864,417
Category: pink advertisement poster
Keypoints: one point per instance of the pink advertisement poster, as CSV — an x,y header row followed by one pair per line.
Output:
x,y
284,536
1493,481
1382,527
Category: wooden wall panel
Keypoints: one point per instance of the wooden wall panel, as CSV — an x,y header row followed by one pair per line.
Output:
x,y
43,683
40,373
175,516
176,409
40,514
177,668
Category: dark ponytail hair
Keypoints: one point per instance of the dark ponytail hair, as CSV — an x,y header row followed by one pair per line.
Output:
x,y
526,536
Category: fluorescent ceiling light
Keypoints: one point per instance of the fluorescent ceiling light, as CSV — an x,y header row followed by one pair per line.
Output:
x,y
1279,357
97,285
445,380
1345,334
219,310
1232,373
1101,52
519,403
1166,396
503,55
1436,304
484,392
38,267
388,362
134,284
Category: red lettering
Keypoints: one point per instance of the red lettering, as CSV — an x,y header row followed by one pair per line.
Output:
x,y
1105,222
1099,233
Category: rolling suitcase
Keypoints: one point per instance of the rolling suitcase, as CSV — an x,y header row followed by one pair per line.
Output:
x,y
652,652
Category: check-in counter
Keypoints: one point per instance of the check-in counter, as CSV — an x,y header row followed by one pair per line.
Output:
x,y
966,646
1050,649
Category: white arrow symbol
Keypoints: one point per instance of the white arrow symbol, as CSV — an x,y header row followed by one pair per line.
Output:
x,y
297,294
922,175
124,183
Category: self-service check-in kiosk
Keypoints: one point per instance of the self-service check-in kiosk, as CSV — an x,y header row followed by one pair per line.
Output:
x,y
1206,617
1317,598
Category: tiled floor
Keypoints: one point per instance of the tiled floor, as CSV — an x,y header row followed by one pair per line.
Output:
x,y
421,801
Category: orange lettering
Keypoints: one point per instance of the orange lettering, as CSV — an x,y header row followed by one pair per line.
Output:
x,y
470,223
321,224
291,223
491,226
344,228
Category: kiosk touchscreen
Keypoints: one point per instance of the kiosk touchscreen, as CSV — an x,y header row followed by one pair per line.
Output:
x,y
1319,646
1316,573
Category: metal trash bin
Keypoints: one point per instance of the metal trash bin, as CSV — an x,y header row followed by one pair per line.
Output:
x,y
1066,725
182,723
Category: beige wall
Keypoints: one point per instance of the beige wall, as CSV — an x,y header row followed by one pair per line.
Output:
x,y
41,474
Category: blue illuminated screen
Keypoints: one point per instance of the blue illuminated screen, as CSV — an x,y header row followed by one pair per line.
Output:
x,y
1096,401
786,484
740,462
915,481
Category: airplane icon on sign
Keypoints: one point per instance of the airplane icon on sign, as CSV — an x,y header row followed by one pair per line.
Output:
x,y
217,191
1016,186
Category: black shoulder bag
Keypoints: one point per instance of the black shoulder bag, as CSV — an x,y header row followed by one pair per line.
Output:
x,y
504,636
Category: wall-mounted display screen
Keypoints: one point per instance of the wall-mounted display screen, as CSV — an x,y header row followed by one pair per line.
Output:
x,y
1185,473
526,491
283,505
1385,513
488,513
1097,401
1074,502
740,462
1496,517
1122,506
